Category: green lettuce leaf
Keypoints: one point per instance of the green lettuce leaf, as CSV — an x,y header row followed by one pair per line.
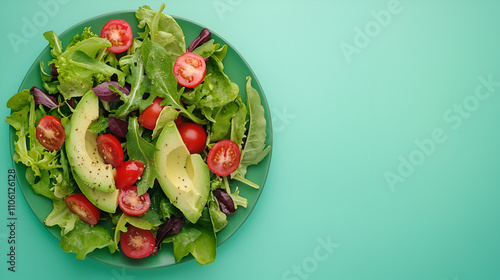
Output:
x,y
62,217
197,239
77,65
162,29
28,150
84,239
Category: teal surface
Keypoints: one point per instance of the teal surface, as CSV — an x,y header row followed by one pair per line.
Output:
x,y
386,127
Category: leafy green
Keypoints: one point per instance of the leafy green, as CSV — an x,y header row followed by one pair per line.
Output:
x,y
138,84
219,219
77,65
55,44
158,67
48,84
216,90
160,209
167,115
238,123
220,129
62,217
206,49
28,150
162,29
142,150
125,219
255,147
84,239
197,239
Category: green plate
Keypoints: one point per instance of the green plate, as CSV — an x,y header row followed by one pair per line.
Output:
x,y
234,66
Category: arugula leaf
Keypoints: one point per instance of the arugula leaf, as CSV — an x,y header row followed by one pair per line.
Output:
x,y
142,150
138,84
255,148
239,123
84,239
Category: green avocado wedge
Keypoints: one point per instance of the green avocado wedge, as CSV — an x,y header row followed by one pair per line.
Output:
x,y
81,147
105,201
184,177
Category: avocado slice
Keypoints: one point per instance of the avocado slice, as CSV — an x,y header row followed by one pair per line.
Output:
x,y
81,148
103,200
184,177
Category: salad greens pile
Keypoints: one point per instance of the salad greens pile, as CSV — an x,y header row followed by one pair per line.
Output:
x,y
137,78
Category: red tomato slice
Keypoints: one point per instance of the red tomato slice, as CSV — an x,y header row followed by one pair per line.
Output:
x,y
190,69
81,206
137,243
50,133
132,204
224,157
110,149
119,33
194,136
150,115
128,173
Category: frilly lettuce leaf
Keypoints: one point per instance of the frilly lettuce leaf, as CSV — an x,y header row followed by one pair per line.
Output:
x,y
61,216
84,239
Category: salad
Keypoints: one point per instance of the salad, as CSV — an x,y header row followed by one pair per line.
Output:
x,y
138,141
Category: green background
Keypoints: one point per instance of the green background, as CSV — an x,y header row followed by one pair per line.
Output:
x,y
357,90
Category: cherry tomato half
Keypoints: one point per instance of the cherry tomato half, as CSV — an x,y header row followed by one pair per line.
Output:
x,y
50,133
110,149
224,157
119,33
81,206
150,115
190,69
137,243
194,136
132,204
128,173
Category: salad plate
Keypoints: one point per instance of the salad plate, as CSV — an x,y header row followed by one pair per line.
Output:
x,y
236,69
